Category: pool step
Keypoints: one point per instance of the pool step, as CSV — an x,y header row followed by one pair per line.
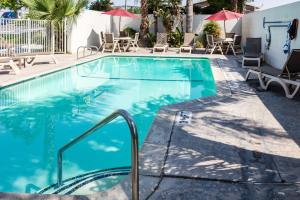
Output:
x,y
89,182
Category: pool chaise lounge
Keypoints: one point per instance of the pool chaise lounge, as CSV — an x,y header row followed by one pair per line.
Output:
x,y
252,52
7,61
288,76
161,42
30,58
188,43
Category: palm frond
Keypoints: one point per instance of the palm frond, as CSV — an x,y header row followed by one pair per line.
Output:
x,y
55,10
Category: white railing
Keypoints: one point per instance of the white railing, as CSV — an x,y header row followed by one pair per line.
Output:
x,y
18,36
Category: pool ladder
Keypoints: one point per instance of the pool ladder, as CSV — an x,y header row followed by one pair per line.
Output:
x,y
87,48
134,149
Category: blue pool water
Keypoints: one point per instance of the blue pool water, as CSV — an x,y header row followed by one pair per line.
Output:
x,y
39,116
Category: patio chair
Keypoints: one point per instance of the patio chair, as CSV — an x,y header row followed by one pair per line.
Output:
x,y
229,35
110,44
288,77
235,45
134,42
7,61
161,42
252,52
212,44
188,42
102,42
123,34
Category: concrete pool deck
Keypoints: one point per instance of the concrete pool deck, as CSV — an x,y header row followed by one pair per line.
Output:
x,y
241,144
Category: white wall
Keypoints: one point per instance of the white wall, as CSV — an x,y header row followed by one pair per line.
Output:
x,y
253,27
198,24
90,23
87,28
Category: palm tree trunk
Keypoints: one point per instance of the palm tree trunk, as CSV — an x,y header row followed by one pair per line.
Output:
x,y
155,22
189,16
144,28
235,5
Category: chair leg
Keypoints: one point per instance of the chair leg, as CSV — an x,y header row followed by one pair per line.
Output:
x,y
295,91
54,59
14,67
103,48
227,48
213,49
248,75
119,47
233,51
220,49
29,61
114,47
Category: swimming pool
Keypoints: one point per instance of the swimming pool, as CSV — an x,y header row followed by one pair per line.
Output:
x,y
41,115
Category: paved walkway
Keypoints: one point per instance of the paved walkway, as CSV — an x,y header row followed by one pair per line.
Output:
x,y
239,145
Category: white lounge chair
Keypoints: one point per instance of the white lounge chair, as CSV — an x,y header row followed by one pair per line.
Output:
x,y
235,44
134,42
252,52
288,77
188,43
213,44
28,57
31,58
161,42
7,61
110,44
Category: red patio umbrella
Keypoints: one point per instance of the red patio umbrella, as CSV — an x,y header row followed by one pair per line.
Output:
x,y
224,15
121,13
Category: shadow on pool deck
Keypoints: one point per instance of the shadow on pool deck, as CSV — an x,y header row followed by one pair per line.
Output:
x,y
239,147
228,152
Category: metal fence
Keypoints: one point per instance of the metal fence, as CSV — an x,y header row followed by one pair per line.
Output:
x,y
18,36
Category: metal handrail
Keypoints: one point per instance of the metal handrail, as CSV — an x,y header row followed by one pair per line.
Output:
x,y
134,148
90,48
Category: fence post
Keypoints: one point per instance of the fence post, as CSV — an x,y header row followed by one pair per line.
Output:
x,y
65,35
29,35
52,37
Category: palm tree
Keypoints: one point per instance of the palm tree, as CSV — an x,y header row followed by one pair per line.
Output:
x,y
55,10
234,5
144,28
101,5
189,16
154,7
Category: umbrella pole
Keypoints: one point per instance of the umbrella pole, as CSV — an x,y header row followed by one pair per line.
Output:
x,y
119,25
224,29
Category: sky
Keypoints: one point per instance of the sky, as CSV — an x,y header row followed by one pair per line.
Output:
x,y
266,3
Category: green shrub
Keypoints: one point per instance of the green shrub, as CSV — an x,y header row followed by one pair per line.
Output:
x,y
130,31
199,42
211,28
151,38
176,38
